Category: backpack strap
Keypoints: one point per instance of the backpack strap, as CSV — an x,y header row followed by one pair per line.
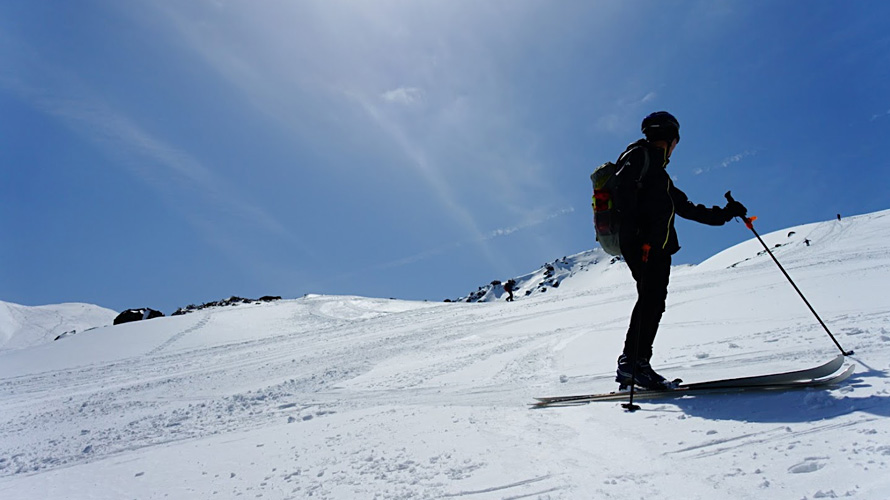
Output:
x,y
645,167
637,145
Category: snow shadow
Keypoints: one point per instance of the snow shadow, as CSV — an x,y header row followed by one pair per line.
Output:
x,y
804,405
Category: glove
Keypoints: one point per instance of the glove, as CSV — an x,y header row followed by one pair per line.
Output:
x,y
734,209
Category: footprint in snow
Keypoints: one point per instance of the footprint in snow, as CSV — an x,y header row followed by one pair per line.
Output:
x,y
853,331
807,466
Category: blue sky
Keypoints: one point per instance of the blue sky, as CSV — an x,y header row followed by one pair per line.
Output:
x,y
173,152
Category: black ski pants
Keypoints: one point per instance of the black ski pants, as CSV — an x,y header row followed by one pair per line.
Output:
x,y
652,282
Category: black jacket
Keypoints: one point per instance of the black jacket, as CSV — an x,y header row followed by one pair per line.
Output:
x,y
649,203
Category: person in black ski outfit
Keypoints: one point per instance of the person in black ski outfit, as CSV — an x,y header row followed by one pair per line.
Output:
x,y
648,201
508,287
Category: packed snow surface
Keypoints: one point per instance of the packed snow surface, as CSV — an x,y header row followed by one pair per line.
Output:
x,y
336,397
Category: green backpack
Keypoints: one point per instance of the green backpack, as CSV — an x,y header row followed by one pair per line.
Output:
x,y
606,216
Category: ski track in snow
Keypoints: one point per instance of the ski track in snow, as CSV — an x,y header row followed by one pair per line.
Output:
x,y
348,397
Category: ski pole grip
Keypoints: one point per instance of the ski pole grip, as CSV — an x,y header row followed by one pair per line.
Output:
x,y
749,221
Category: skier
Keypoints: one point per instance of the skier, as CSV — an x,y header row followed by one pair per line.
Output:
x,y
508,287
648,201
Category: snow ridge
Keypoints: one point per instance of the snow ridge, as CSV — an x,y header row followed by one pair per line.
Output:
x,y
23,326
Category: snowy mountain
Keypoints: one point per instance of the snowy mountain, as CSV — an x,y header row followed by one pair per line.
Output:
x,y
24,326
347,397
547,277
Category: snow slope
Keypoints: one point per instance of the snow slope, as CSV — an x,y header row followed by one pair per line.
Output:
x,y
24,326
350,397
548,277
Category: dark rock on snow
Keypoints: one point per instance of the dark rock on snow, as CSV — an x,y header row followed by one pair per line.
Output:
x,y
137,315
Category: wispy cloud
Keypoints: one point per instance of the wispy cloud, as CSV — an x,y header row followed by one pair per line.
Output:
x,y
533,221
351,61
536,220
437,108
880,115
725,163
628,111
426,167
150,159
403,95
649,97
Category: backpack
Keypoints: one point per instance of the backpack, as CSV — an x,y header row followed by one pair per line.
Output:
x,y
606,215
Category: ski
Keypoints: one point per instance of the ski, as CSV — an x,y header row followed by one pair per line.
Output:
x,y
777,378
799,378
680,392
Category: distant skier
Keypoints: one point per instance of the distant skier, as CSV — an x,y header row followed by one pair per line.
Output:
x,y
807,241
648,201
838,216
508,287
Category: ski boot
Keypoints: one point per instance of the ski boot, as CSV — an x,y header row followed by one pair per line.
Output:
x,y
644,378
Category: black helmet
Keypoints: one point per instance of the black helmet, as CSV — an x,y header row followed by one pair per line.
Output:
x,y
661,126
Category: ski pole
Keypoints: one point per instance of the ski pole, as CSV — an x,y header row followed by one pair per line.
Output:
x,y
749,222
630,406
